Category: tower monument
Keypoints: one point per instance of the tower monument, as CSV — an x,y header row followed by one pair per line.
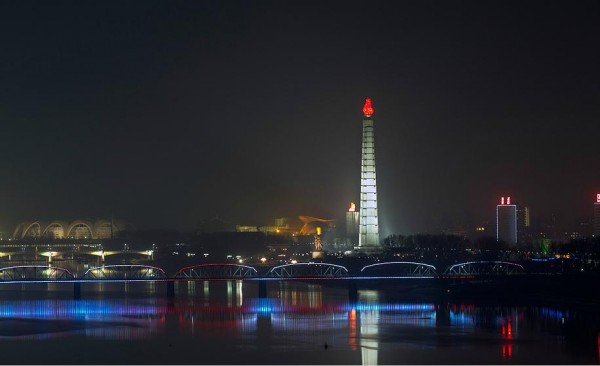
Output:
x,y
368,240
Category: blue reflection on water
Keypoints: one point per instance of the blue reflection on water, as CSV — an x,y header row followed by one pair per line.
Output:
x,y
554,313
462,319
354,326
69,309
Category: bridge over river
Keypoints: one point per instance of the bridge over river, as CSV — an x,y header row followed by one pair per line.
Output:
x,y
310,271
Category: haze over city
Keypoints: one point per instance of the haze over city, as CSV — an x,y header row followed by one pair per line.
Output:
x,y
299,182
165,116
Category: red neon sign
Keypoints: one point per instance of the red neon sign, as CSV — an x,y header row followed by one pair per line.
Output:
x,y
368,108
508,200
504,201
597,197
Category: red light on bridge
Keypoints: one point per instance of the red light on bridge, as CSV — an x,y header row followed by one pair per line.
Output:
x,y
368,108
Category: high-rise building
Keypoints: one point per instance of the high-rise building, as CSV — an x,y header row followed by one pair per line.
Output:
x,y
506,221
352,221
523,224
368,239
597,215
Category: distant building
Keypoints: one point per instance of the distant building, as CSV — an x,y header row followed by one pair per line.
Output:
x,y
506,221
271,230
479,231
246,229
352,221
586,228
597,215
78,229
523,224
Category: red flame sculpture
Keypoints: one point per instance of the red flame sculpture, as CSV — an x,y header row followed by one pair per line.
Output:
x,y
368,108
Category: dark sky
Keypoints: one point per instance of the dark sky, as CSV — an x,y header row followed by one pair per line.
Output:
x,y
164,113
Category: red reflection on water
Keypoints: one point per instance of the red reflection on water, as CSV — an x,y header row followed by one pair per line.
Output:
x,y
507,351
506,331
352,337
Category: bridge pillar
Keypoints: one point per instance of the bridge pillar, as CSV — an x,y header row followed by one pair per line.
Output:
x,y
171,289
352,291
262,289
442,315
76,290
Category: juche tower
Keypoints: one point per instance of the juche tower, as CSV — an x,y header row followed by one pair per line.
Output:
x,y
368,240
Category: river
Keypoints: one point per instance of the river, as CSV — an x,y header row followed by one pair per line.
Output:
x,y
223,322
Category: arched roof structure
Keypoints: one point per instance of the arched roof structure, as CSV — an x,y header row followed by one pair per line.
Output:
x,y
56,230
77,229
34,229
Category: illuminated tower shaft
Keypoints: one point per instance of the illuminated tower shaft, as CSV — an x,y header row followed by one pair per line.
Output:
x,y
369,222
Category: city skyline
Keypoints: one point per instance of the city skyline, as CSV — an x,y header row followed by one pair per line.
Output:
x,y
167,116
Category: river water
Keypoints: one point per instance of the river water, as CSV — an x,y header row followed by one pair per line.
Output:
x,y
299,323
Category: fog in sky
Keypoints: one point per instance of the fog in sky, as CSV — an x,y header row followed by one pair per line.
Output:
x,y
166,113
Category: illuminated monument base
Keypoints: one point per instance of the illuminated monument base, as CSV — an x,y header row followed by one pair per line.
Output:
x,y
375,249
318,252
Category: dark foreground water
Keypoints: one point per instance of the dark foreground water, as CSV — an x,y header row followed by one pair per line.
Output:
x,y
225,322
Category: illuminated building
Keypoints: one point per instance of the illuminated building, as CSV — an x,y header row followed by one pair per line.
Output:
x,y
282,227
597,215
524,217
246,229
78,229
368,239
352,221
506,221
290,226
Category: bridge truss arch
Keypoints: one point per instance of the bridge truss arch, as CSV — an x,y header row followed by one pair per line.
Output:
x,y
308,270
217,271
400,269
34,273
124,272
485,268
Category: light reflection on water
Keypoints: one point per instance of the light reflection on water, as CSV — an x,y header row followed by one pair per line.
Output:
x,y
298,318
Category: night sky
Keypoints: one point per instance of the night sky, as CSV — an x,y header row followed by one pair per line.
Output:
x,y
165,113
